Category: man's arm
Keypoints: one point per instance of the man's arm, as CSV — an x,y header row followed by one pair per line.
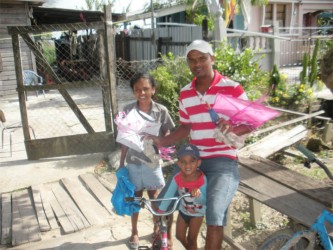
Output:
x,y
180,133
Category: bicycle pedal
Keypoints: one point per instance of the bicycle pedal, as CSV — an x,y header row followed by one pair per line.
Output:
x,y
143,248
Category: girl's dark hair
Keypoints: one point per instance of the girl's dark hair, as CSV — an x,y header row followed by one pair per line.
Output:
x,y
140,75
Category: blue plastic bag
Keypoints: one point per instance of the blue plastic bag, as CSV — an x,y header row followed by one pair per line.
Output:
x,y
124,188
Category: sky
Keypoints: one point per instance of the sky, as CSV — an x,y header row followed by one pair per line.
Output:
x,y
118,7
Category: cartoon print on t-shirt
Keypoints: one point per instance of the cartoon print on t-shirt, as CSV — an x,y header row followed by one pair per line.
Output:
x,y
189,203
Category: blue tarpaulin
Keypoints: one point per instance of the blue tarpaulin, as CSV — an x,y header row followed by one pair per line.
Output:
x,y
124,188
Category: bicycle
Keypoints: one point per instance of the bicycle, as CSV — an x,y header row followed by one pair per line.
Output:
x,y
160,241
314,238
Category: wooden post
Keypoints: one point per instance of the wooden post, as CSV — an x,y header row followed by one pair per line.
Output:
x,y
111,58
20,88
328,132
105,83
255,214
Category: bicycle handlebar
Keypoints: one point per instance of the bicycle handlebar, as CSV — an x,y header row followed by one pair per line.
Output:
x,y
306,152
313,158
143,202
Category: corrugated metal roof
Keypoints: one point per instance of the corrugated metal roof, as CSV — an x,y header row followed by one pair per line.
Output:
x,y
31,2
44,15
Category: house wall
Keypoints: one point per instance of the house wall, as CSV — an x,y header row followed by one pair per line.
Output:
x,y
294,13
12,15
141,46
310,8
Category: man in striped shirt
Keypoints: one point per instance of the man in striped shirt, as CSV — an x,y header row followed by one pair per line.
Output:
x,y
219,160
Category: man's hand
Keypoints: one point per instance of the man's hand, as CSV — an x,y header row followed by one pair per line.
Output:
x,y
225,126
156,139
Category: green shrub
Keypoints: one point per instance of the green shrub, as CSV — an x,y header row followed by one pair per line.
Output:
x,y
287,95
170,77
243,68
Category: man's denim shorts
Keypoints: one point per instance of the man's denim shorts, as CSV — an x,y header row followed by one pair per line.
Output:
x,y
223,179
144,177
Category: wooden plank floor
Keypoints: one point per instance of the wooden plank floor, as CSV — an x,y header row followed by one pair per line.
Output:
x,y
6,218
70,204
25,226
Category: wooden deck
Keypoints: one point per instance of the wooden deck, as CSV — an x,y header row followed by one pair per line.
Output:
x,y
71,204
299,197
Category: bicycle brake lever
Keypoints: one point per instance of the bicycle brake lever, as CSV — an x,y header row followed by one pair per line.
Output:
x,y
307,164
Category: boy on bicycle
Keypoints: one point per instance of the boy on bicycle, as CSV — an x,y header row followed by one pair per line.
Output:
x,y
191,209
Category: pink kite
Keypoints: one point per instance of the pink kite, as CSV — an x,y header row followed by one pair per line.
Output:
x,y
242,111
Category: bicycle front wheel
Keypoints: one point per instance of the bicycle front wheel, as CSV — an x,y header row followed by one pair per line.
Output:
x,y
303,240
277,240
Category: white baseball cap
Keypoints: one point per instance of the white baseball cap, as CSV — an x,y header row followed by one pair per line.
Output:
x,y
200,45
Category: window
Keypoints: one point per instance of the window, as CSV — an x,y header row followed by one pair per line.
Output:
x,y
280,14
269,12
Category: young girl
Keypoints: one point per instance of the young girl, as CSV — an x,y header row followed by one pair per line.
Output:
x,y
191,209
141,172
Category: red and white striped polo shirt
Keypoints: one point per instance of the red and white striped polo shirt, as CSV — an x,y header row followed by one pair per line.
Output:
x,y
193,109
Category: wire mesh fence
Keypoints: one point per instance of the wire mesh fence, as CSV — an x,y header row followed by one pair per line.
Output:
x,y
73,64
292,52
73,58
125,70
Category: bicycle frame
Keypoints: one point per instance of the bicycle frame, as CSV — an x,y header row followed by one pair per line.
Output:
x,y
145,203
163,235
319,227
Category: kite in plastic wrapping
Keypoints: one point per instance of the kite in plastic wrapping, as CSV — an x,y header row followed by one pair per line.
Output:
x,y
238,112
242,111
124,188
131,125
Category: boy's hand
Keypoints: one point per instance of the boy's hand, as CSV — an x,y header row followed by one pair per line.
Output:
x,y
195,192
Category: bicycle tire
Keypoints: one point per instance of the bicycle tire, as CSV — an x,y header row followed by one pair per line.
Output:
x,y
302,240
276,240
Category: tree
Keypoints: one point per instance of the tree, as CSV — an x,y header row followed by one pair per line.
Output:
x,y
97,4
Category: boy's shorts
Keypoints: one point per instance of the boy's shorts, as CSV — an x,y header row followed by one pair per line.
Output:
x,y
144,177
